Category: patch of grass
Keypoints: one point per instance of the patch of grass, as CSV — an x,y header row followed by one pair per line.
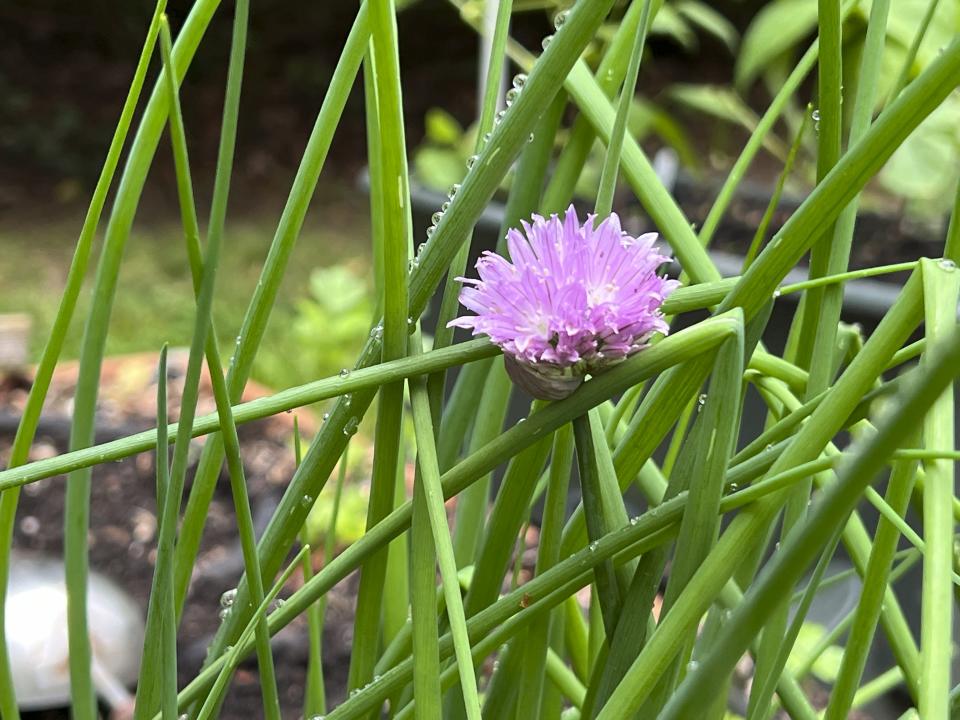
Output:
x,y
155,302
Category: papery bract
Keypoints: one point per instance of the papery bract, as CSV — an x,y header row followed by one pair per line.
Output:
x,y
574,299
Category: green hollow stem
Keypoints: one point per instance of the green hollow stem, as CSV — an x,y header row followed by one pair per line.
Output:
x,y
767,218
258,312
137,165
941,284
910,58
314,692
648,530
802,546
231,659
204,282
653,360
875,580
26,430
394,204
748,527
437,518
611,161
357,381
608,589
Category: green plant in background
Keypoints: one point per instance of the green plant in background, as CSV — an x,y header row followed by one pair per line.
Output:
x,y
730,526
438,162
328,326
923,170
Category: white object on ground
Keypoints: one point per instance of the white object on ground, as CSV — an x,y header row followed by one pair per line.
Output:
x,y
36,625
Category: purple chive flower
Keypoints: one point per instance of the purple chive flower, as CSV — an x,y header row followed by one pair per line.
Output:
x,y
575,299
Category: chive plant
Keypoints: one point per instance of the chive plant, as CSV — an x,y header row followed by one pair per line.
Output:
x,y
625,612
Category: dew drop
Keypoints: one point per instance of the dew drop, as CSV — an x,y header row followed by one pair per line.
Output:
x,y
344,372
454,189
500,116
437,217
530,139
776,294
702,400
412,265
347,399
815,115
487,137
692,666
471,161
734,487
593,546
431,230
519,80
512,95
635,519
445,206
326,416
350,428
947,264
227,599
280,602
377,332
306,501
560,19
223,614
545,43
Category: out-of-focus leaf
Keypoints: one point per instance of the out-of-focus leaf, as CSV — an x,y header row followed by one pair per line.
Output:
x,y
827,665
710,21
905,17
442,128
925,168
777,27
670,23
646,117
438,168
723,103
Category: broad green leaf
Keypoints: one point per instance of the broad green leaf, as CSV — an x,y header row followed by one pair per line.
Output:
x,y
710,21
778,27
723,103
670,23
924,169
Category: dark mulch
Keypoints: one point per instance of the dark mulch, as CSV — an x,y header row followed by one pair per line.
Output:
x,y
122,538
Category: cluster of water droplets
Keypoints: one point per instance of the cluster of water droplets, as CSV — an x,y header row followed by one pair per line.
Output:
x,y
815,115
558,21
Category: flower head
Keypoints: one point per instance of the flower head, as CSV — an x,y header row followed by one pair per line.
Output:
x,y
575,299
